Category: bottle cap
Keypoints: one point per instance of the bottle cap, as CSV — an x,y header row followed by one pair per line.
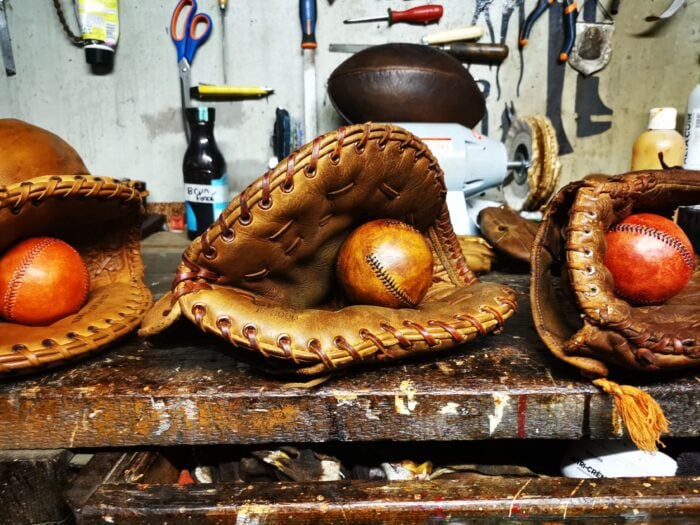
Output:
x,y
99,55
200,114
662,118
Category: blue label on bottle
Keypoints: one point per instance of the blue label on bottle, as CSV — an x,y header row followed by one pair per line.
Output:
x,y
205,202
190,217
221,184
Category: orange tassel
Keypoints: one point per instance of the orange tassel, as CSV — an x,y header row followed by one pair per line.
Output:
x,y
642,415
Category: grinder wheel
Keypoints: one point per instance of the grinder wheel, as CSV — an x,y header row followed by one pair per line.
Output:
x,y
531,140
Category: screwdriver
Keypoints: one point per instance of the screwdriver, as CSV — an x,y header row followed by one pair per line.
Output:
x,y
307,17
422,14
222,9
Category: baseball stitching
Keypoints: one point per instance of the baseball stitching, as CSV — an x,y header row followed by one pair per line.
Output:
x,y
659,235
388,281
17,278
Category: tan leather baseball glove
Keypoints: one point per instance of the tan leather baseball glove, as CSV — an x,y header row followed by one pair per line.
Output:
x,y
45,190
262,277
477,252
575,310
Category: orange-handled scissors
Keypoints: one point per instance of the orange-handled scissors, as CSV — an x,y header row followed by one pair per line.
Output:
x,y
187,41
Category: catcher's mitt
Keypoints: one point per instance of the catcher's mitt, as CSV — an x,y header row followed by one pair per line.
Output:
x,y
574,308
45,190
262,276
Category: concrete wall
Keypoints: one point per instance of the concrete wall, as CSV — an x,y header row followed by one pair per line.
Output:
x,y
128,123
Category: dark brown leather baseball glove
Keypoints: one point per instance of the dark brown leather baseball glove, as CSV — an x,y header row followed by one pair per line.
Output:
x,y
262,277
575,310
510,234
45,190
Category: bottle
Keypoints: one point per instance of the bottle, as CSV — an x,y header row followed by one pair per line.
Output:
x,y
689,216
691,131
660,137
204,170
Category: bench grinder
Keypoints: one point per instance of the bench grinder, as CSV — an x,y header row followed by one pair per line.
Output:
x,y
472,163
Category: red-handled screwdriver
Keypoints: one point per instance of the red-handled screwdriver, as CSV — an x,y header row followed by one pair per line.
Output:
x,y
423,14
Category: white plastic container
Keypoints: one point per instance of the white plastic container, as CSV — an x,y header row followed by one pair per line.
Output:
x,y
691,131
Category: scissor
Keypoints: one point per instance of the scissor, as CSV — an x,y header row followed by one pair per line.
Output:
x,y
570,15
186,44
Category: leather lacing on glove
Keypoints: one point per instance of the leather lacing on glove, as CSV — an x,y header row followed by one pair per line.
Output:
x,y
262,276
583,322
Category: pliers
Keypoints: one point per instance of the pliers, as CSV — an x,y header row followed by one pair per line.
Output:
x,y
570,15
482,6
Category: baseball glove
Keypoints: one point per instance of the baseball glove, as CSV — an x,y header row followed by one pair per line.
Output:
x,y
262,276
477,252
510,234
45,190
574,308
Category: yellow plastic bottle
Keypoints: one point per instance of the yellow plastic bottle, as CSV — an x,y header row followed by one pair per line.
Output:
x,y
660,137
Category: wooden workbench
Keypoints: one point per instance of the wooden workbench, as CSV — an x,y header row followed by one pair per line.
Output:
x,y
189,388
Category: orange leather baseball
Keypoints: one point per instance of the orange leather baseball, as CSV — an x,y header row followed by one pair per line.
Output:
x,y
42,280
650,258
385,263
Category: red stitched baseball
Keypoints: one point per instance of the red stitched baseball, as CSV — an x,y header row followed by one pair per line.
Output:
x,y
41,281
650,258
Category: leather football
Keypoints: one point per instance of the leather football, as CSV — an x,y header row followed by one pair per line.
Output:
x,y
405,83
650,258
385,263
42,280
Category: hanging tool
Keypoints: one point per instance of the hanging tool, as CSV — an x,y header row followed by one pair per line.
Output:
x,y
307,17
282,134
6,43
422,14
186,44
521,23
468,52
204,91
590,54
482,6
453,35
670,11
486,91
475,53
222,9
570,14
555,77
593,43
508,8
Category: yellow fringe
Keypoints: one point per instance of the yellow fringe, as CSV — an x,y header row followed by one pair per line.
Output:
x,y
307,384
642,415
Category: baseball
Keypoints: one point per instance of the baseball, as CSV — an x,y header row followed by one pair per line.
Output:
x,y
650,258
42,280
385,263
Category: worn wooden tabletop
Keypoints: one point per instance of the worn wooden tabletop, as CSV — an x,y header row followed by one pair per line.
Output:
x,y
191,389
